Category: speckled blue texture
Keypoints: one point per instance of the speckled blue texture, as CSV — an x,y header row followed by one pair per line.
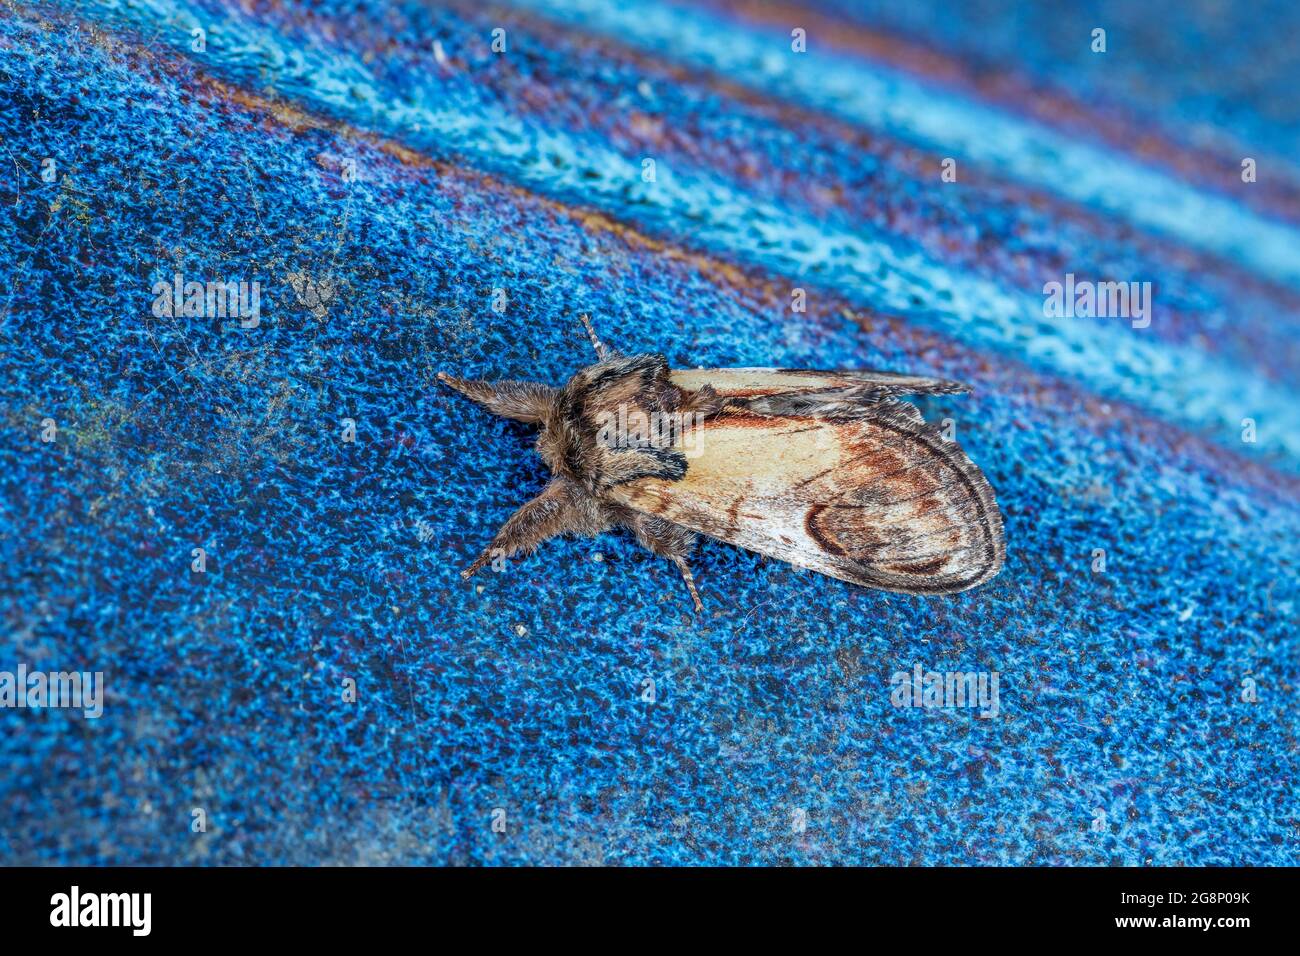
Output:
x,y
1124,735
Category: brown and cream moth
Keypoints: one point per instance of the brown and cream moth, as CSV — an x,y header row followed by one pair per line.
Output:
x,y
825,470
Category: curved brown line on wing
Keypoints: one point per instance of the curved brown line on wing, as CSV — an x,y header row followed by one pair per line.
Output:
x,y
989,522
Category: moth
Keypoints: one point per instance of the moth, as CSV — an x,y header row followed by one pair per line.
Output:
x,y
828,470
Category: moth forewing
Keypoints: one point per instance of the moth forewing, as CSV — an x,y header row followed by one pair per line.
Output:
x,y
743,481
878,500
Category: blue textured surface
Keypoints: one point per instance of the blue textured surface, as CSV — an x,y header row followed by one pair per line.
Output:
x,y
1120,691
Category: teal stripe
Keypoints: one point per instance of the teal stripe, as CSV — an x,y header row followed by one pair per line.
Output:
x,y
1176,382
879,98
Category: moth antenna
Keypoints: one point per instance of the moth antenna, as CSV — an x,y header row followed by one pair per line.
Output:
x,y
602,352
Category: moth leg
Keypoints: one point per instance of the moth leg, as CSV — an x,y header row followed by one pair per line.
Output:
x,y
522,401
689,578
668,541
603,352
551,513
